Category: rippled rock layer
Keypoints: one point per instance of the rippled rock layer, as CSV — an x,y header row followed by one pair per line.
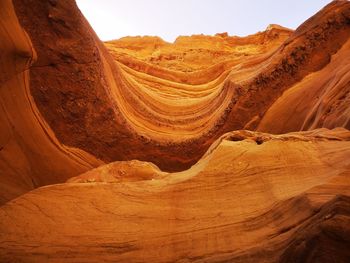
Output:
x,y
209,149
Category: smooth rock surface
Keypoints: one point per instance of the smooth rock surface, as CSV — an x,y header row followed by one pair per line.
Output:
x,y
251,198
209,149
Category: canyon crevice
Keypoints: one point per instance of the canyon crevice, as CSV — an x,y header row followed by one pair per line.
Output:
x,y
209,149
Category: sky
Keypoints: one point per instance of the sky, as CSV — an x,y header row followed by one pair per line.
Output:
x,y
113,19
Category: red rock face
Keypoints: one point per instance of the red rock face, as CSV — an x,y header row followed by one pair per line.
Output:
x,y
30,154
253,197
217,84
165,151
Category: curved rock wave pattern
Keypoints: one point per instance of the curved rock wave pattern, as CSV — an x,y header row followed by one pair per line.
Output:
x,y
208,149
143,98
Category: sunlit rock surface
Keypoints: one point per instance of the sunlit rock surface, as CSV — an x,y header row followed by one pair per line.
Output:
x,y
169,102
250,198
209,149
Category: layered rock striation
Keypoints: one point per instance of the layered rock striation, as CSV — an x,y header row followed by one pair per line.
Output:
x,y
142,98
209,149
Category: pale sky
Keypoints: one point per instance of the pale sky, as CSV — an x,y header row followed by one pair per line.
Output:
x,y
113,19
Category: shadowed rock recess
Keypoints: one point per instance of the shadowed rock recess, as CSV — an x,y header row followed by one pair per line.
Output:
x,y
209,149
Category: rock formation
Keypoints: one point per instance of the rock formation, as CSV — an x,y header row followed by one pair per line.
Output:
x,y
171,100
209,149
30,154
253,197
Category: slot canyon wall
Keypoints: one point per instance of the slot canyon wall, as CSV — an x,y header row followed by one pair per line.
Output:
x,y
209,149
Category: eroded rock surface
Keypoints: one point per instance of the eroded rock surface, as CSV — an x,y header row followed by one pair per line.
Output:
x,y
253,197
30,154
166,103
139,150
